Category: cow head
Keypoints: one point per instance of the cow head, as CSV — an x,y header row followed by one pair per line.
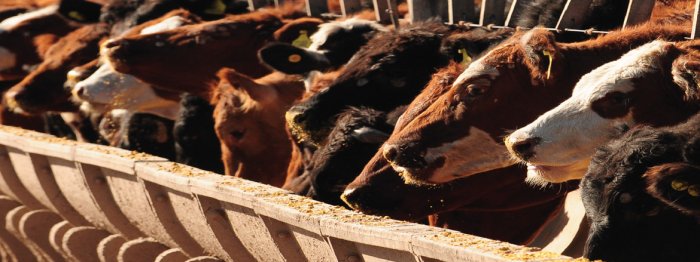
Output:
x,y
458,134
249,121
43,89
106,88
187,58
330,47
641,196
357,135
654,84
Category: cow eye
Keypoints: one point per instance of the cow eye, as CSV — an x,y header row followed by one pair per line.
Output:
x,y
474,90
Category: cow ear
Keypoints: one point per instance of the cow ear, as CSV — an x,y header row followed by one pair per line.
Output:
x,y
684,71
370,135
676,184
293,29
290,59
541,53
248,85
80,10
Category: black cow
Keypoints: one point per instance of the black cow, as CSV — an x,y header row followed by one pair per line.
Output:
x,y
642,195
196,142
357,135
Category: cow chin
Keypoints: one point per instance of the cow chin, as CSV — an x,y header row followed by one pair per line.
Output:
x,y
541,175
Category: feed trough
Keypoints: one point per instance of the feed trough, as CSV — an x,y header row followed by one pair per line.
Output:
x,y
75,201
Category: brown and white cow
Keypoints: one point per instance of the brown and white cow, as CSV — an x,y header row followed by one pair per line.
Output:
x,y
187,58
654,84
106,88
249,117
25,38
482,204
42,90
459,134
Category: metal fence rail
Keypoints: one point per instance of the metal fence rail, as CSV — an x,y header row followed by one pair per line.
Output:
x,y
64,200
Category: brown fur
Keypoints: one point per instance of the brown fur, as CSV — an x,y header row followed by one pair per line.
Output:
x,y
42,90
174,59
249,116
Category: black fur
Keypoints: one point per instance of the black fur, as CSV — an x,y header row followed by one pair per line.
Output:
x,y
196,142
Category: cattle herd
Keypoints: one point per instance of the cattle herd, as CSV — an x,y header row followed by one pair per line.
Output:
x,y
477,129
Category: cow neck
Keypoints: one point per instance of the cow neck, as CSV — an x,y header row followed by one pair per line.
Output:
x,y
582,57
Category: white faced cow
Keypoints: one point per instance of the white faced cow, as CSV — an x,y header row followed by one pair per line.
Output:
x,y
654,84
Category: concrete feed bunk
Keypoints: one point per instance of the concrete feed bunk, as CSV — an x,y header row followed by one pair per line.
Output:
x,y
64,200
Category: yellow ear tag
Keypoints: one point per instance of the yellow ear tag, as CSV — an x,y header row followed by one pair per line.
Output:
x,y
75,15
466,59
216,8
303,41
551,58
294,58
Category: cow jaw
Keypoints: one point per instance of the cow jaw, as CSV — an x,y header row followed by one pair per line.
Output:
x,y
541,175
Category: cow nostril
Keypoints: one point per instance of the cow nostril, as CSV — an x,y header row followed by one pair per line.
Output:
x,y
79,92
113,43
390,152
525,148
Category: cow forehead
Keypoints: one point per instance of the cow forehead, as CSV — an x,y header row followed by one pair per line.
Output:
x,y
12,22
167,24
476,69
617,75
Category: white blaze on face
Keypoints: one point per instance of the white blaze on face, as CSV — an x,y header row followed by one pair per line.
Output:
x,y
169,23
470,155
570,132
7,59
12,22
476,69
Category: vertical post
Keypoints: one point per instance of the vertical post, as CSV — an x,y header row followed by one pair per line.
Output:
x,y
279,3
316,7
492,12
515,8
380,11
638,12
419,10
255,4
348,7
573,14
460,10
696,28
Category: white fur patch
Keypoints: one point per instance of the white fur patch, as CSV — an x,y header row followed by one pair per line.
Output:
x,y
10,23
476,69
327,29
476,153
169,23
107,88
570,132
7,59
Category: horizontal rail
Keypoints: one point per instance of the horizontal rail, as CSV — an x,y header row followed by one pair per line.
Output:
x,y
78,201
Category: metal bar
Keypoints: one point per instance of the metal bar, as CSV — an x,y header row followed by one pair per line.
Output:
x,y
573,14
492,12
638,11
492,26
696,28
348,7
279,3
382,11
420,10
460,10
515,8
256,4
316,7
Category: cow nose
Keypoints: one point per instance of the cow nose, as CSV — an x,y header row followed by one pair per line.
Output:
x,y
295,117
391,152
525,148
113,43
79,91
